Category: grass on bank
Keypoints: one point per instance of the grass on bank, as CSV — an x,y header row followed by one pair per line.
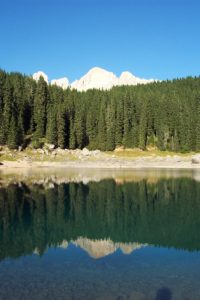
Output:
x,y
152,152
31,154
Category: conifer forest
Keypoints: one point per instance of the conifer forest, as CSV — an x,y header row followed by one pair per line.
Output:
x,y
165,115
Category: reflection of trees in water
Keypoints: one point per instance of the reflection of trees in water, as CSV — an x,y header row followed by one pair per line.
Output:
x,y
165,213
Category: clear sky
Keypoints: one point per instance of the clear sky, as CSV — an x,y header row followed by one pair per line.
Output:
x,y
150,38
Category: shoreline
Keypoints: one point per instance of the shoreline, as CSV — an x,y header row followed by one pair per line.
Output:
x,y
112,163
128,159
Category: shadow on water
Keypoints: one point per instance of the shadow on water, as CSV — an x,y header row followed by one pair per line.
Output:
x,y
164,294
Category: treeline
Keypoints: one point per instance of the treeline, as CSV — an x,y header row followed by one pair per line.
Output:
x,y
35,217
161,114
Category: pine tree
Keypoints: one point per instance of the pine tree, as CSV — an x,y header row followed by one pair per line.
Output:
x,y
12,140
197,126
143,128
102,128
2,130
52,136
72,138
79,128
110,126
40,104
8,106
119,122
91,127
61,127
127,121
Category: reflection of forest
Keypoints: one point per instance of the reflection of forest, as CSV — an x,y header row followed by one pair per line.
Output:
x,y
165,213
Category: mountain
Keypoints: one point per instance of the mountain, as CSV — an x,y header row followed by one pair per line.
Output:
x,y
96,78
36,76
61,82
101,248
127,78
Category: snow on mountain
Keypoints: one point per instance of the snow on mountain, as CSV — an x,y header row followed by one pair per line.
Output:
x,y
96,78
102,248
37,75
61,82
127,78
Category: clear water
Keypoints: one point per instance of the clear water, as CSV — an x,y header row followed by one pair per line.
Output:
x,y
101,240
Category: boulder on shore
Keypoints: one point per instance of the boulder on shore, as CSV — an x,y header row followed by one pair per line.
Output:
x,y
196,159
49,146
85,152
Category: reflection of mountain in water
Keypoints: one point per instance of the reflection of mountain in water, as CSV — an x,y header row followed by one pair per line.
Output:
x,y
164,213
101,248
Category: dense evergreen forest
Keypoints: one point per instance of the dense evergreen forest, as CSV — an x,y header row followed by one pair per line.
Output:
x,y
161,114
35,217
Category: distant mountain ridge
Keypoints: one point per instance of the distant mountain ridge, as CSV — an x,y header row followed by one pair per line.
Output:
x,y
96,78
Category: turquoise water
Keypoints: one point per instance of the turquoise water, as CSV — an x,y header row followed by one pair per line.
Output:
x,y
101,240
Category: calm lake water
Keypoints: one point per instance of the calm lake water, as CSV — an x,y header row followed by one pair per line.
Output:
x,y
114,239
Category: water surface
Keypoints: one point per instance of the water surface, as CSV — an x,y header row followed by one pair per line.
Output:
x,y
119,238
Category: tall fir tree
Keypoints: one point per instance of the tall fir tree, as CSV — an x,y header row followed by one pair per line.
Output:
x,y
197,125
119,122
61,127
110,126
40,104
8,106
143,128
51,132
102,127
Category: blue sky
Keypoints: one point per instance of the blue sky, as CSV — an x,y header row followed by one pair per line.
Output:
x,y
150,38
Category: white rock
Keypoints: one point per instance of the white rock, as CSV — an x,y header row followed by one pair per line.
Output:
x,y
49,146
85,152
196,159
101,248
61,82
60,151
40,151
96,78
37,75
96,152
127,78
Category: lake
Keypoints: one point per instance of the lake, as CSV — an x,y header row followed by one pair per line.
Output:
x,y
128,235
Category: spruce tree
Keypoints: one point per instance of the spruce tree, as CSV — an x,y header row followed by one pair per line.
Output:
x,y
143,128
110,126
51,135
12,140
79,127
72,138
102,128
61,127
119,122
197,126
40,104
127,121
8,106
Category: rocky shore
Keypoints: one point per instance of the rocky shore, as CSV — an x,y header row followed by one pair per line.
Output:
x,y
48,157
